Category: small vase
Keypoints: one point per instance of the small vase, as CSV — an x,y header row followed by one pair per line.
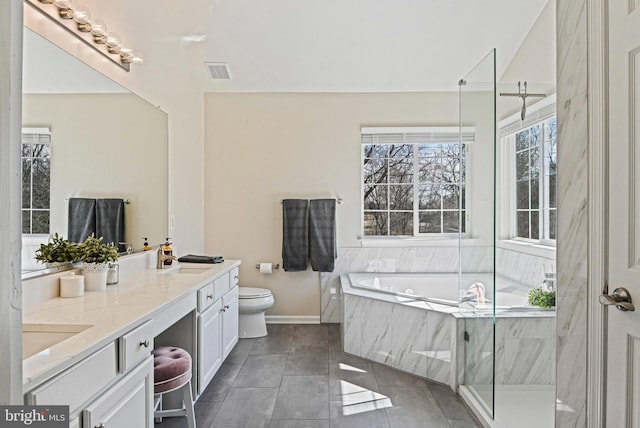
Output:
x,y
95,276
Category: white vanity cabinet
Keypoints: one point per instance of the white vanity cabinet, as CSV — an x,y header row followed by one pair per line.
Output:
x,y
217,325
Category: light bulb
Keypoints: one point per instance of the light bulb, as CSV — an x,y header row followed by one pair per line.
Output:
x,y
113,43
62,4
82,16
99,29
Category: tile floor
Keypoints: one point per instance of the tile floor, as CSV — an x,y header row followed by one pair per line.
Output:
x,y
298,376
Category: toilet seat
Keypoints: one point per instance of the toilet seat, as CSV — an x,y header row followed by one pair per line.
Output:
x,y
253,293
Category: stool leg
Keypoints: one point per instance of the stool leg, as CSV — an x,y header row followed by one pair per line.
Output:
x,y
188,405
157,405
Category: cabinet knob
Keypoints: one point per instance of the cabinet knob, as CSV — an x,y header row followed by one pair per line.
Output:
x,y
236,277
224,309
209,296
102,425
145,343
226,306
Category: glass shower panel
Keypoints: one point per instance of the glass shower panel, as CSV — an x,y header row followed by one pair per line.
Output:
x,y
477,103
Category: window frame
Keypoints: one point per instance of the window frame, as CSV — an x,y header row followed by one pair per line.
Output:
x,y
37,132
415,211
538,113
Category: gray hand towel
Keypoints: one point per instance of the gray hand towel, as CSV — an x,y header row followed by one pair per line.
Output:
x,y
295,234
82,219
322,234
110,221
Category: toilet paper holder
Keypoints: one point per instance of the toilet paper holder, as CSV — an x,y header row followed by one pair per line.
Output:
x,y
274,266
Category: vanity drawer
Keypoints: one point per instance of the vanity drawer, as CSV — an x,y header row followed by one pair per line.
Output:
x,y
76,385
234,278
221,284
206,297
135,346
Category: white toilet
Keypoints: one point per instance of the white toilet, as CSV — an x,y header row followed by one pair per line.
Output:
x,y
252,302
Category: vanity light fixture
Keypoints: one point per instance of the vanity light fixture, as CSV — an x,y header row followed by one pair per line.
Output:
x,y
78,21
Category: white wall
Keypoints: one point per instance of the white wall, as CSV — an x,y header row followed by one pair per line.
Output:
x,y
263,147
120,151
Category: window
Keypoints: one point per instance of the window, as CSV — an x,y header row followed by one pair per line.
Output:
x,y
36,179
413,181
531,150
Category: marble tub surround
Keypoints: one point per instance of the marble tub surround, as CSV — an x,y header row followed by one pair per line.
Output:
x,y
138,297
426,259
523,267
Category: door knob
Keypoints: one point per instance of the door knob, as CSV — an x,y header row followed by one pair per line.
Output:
x,y
620,298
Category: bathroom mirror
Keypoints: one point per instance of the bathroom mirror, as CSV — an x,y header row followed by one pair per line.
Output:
x,y
106,142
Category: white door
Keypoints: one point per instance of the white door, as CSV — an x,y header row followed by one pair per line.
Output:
x,y
623,327
229,321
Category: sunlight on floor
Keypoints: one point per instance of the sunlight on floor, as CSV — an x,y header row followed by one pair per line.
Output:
x,y
356,399
349,368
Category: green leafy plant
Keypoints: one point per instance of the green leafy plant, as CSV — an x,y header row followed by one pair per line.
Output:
x,y
93,250
542,298
57,250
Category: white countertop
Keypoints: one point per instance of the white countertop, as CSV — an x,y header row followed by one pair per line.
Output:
x,y
137,298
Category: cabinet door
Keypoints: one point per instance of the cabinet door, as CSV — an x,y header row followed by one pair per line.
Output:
x,y
229,321
127,404
209,341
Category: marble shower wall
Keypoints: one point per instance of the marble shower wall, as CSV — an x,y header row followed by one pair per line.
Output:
x,y
523,268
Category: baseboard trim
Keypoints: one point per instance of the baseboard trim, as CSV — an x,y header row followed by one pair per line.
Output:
x,y
292,319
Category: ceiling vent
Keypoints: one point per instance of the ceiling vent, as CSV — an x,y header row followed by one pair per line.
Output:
x,y
218,70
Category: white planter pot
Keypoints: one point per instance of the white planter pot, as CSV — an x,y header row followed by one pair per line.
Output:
x,y
95,276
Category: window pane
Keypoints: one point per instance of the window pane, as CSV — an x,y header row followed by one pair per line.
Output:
x,y
464,221
451,169
430,222
375,170
26,150
522,225
40,222
522,165
375,150
375,224
534,159
522,140
375,197
401,151
522,195
26,221
534,136
41,179
430,197
552,191
430,170
401,197
450,222
535,225
26,183
400,171
535,194
552,224
42,150
429,150
401,223
450,197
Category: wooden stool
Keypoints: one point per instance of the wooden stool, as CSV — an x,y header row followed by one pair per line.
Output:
x,y
172,371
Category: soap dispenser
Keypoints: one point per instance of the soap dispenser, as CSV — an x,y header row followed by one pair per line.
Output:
x,y
168,251
146,246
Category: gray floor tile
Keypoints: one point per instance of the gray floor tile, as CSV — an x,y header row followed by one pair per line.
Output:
x,y
261,371
272,344
464,424
387,376
308,363
246,407
205,414
346,380
449,402
306,423
303,397
311,335
361,415
281,329
220,384
413,407
240,351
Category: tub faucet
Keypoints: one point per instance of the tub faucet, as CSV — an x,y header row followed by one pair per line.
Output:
x,y
549,281
162,257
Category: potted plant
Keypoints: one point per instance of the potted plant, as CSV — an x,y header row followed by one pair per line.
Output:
x,y
58,251
542,298
95,257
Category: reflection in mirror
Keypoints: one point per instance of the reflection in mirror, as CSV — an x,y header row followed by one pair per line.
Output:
x,y
85,136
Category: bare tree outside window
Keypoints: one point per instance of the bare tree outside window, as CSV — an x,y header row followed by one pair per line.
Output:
x,y
413,189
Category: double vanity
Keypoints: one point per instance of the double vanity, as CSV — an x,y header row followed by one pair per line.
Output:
x,y
93,352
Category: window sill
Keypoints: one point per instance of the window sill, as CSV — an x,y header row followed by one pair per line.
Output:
x,y
370,242
530,248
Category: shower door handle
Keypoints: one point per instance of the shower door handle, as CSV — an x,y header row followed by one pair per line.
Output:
x,y
621,299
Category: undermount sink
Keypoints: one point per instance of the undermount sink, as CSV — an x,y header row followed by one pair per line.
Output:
x,y
37,337
182,268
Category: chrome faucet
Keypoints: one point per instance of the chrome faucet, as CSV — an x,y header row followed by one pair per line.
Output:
x,y
549,281
162,257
